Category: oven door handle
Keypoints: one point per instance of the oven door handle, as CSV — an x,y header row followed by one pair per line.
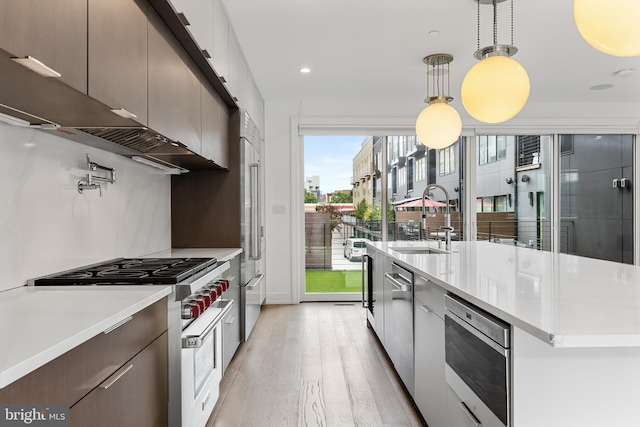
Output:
x,y
195,341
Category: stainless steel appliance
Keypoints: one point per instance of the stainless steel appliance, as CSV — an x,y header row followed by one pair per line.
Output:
x,y
197,309
477,354
400,341
251,277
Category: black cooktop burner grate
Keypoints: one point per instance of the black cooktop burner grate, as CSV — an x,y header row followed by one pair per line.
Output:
x,y
131,271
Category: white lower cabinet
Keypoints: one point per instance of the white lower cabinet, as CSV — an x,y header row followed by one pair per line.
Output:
x,y
457,415
430,384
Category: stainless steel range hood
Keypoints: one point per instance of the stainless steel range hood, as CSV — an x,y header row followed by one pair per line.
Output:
x,y
139,142
51,105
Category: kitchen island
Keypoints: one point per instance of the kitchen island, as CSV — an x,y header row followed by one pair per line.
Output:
x,y
575,325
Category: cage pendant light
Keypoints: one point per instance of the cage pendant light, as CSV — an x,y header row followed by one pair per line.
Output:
x,y
439,124
496,88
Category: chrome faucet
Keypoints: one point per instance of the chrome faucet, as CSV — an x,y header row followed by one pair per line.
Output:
x,y
447,216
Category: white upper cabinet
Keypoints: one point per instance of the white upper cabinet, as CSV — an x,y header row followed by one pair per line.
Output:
x,y
238,72
220,54
255,105
200,15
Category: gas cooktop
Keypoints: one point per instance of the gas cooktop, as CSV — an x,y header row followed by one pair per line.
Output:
x,y
130,271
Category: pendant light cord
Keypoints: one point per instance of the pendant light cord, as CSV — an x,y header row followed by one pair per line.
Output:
x,y
495,23
511,22
478,26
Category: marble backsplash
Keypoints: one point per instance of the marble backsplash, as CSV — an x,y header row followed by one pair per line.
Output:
x,y
46,226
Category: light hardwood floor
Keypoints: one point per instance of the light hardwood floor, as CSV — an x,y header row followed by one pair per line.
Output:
x,y
312,364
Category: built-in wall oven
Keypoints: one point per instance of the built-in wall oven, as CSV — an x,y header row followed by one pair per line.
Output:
x,y
478,362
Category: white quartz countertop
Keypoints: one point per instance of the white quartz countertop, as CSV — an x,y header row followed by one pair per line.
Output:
x,y
40,323
564,300
221,254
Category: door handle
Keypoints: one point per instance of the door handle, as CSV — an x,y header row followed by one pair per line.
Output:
x,y
470,414
255,252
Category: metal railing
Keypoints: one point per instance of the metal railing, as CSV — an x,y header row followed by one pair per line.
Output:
x,y
321,250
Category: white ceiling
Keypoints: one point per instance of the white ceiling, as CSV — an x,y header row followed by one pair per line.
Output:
x,y
372,50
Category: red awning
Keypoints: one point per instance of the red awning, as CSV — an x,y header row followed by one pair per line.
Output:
x,y
418,204
310,207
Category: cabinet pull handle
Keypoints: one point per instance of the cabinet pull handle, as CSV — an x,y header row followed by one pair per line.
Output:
x,y
467,411
404,287
107,384
117,325
206,400
426,308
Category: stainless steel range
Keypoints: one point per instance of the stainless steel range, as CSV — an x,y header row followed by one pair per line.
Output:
x,y
196,310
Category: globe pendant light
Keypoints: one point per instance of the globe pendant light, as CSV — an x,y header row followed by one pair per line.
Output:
x,y
610,26
496,88
438,125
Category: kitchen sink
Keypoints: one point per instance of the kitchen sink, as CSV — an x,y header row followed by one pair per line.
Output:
x,y
418,251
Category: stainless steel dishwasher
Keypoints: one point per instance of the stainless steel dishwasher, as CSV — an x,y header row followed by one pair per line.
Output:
x,y
400,348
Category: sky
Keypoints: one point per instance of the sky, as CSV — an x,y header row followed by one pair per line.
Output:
x,y
331,158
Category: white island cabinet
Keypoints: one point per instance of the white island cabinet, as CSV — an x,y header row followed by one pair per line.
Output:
x,y
575,330
430,385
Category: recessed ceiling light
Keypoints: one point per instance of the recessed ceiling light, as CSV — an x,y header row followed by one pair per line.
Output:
x,y
625,72
305,70
434,33
601,87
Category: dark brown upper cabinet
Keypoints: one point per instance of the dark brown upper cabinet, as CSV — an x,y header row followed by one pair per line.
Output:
x,y
118,55
53,32
174,87
215,124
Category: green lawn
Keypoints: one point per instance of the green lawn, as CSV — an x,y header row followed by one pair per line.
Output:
x,y
333,281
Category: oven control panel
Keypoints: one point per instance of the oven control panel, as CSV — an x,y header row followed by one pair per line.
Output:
x,y
196,304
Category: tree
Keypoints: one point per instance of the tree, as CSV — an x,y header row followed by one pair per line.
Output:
x,y
336,215
309,197
341,197
361,208
391,214
374,213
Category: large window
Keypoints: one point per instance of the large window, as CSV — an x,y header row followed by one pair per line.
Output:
x,y
596,200
512,202
492,148
528,150
410,163
394,180
447,160
421,169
